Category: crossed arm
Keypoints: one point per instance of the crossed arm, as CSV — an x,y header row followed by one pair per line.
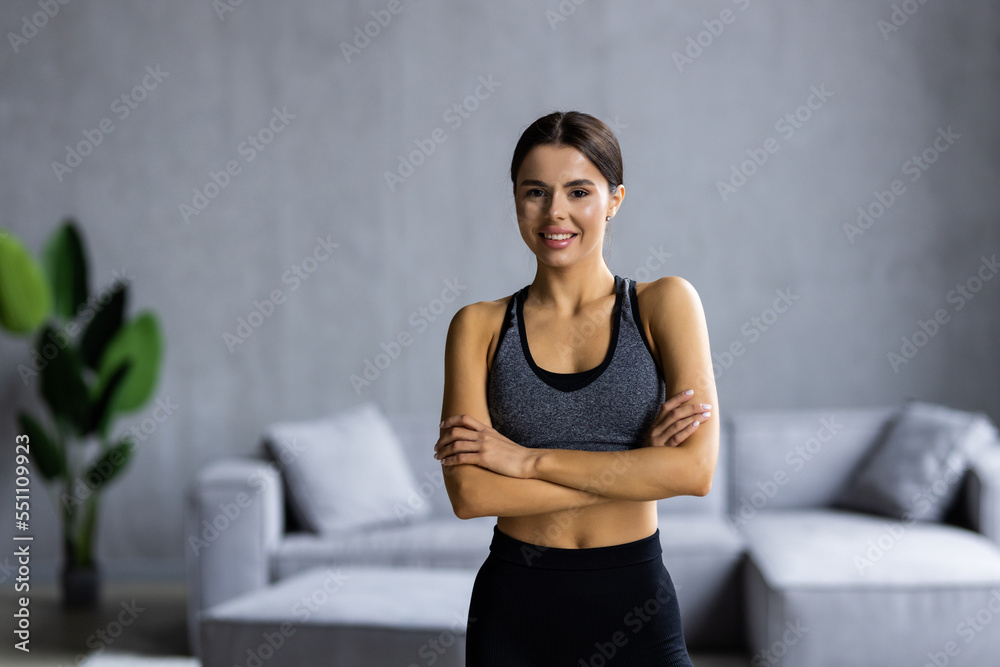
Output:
x,y
547,480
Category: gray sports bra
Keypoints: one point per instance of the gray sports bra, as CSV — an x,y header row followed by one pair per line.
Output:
x,y
606,408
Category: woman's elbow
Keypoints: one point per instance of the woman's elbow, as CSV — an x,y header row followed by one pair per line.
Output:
x,y
703,479
459,492
464,509
703,488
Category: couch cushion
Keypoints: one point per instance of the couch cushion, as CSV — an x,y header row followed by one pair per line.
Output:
x,y
839,548
914,472
345,471
436,542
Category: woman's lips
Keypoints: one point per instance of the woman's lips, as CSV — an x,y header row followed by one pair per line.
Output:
x,y
557,243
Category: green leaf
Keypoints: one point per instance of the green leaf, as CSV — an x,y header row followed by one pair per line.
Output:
x,y
106,323
109,464
100,405
25,296
41,448
140,342
67,269
62,384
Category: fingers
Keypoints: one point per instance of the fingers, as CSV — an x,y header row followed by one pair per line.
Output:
x,y
685,431
677,419
450,451
667,416
454,440
675,400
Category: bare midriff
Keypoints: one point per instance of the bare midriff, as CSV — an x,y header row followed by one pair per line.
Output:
x,y
605,524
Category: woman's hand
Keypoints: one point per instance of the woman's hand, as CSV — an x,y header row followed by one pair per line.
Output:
x,y
468,440
676,421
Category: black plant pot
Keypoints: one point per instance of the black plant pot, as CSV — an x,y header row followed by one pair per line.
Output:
x,y
81,587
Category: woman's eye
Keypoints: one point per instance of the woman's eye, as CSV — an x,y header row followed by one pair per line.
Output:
x,y
532,193
584,193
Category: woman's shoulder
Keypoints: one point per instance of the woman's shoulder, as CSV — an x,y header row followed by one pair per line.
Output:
x,y
663,299
483,315
666,287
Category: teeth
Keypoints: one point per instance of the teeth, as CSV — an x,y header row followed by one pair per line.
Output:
x,y
559,237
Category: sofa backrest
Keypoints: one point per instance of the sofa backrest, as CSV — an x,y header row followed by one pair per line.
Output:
x,y
419,431
798,458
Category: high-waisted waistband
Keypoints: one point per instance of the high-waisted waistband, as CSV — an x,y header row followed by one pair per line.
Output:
x,y
535,555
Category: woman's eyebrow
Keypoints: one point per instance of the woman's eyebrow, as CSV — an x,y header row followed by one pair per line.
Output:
x,y
570,184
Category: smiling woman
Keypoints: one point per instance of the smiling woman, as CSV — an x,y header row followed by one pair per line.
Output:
x,y
556,421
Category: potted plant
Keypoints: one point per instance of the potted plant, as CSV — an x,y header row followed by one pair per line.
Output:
x,y
91,365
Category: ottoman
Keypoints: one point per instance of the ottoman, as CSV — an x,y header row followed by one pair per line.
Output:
x,y
831,588
344,616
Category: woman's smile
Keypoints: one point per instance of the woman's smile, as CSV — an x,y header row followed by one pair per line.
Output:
x,y
557,240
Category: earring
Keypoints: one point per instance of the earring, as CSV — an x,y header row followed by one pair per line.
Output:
x,y
607,219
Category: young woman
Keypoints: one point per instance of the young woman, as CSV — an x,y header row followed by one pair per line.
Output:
x,y
556,421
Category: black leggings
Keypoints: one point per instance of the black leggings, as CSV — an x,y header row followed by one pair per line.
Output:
x,y
551,607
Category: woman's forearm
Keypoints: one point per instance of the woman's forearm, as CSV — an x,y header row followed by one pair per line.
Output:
x,y
475,491
647,473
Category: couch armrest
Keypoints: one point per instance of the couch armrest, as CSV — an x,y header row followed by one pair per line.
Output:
x,y
983,498
234,521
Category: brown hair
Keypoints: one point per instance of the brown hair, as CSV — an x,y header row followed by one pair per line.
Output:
x,y
589,135
583,132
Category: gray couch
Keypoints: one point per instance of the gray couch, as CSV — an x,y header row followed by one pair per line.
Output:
x,y
764,564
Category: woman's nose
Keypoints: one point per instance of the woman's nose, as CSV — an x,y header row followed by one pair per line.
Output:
x,y
557,207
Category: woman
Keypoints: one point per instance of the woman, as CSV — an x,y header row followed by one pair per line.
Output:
x,y
557,423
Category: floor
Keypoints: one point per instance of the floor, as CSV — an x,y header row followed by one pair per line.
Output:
x,y
141,618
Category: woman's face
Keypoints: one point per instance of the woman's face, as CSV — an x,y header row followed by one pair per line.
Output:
x,y
558,187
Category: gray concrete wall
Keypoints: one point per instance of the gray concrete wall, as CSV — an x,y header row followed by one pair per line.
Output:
x,y
684,126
